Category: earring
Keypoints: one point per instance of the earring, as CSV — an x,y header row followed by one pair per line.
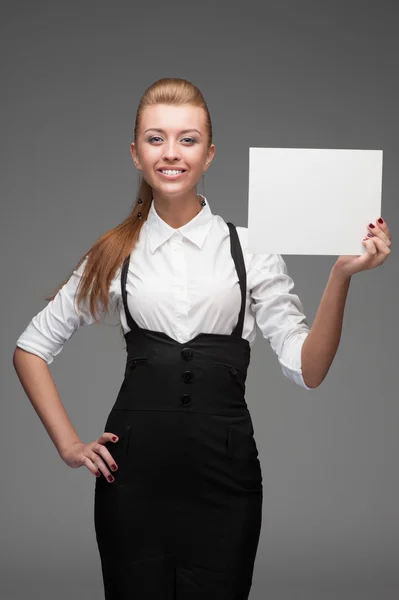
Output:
x,y
139,201
203,190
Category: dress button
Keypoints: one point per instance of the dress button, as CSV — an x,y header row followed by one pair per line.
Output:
x,y
187,376
187,354
185,399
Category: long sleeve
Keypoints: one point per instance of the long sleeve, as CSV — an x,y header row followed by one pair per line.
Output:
x,y
279,313
48,331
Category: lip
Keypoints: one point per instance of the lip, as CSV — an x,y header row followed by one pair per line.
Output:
x,y
171,177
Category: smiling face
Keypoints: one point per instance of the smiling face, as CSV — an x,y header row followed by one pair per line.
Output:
x,y
172,137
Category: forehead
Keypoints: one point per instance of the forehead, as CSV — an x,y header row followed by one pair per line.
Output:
x,y
173,118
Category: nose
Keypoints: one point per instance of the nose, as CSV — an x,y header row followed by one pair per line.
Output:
x,y
171,152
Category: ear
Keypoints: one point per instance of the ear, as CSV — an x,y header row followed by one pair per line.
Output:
x,y
209,158
133,152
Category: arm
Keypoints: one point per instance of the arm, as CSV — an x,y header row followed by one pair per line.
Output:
x,y
49,329
321,344
278,311
37,346
39,386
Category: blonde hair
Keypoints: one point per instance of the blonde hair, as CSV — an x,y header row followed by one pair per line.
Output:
x,y
108,253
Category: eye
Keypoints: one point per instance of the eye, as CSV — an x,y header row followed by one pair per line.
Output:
x,y
155,137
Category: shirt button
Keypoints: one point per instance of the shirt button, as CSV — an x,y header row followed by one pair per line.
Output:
x,y
187,376
185,399
187,354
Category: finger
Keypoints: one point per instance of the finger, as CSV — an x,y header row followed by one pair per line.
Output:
x,y
105,438
382,248
108,437
91,466
106,455
377,250
96,458
370,247
384,227
380,230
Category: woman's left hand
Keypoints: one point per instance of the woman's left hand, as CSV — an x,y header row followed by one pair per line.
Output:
x,y
378,250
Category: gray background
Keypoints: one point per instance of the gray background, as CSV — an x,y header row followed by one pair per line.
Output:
x,y
285,74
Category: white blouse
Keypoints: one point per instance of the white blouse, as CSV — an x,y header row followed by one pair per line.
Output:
x,y
183,282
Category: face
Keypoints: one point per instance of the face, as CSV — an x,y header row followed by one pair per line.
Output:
x,y
172,137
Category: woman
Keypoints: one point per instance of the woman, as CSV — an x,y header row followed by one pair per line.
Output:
x,y
181,516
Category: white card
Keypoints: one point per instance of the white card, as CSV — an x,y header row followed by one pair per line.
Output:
x,y
312,200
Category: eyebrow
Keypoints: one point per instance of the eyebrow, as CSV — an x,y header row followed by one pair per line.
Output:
x,y
162,131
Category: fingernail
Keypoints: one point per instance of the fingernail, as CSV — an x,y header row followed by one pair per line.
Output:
x,y
110,478
371,225
380,220
97,473
370,235
113,467
114,438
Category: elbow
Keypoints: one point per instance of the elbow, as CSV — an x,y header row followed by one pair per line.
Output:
x,y
311,382
311,385
312,374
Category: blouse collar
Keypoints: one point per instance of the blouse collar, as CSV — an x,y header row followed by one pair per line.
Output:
x,y
196,230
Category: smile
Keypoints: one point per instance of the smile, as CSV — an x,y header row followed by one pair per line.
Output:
x,y
171,173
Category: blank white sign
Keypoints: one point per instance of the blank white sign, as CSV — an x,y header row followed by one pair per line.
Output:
x,y
312,200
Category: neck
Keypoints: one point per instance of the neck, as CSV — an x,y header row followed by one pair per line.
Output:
x,y
177,212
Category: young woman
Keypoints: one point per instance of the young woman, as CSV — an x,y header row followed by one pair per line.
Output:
x,y
181,516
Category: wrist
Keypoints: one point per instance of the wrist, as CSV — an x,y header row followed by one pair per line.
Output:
x,y
66,447
338,272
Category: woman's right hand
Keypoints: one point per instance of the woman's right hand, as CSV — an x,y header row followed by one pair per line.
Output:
x,y
94,455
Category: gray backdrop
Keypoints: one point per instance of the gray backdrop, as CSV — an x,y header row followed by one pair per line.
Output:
x,y
286,74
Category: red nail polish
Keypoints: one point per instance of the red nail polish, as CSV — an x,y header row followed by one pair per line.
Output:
x,y
371,225
110,478
114,438
380,220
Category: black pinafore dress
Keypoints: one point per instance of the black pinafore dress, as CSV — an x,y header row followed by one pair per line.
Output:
x,y
183,517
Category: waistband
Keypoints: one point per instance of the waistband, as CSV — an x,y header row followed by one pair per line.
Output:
x,y
204,348
207,374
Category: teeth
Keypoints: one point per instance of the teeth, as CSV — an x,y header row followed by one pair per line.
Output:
x,y
171,172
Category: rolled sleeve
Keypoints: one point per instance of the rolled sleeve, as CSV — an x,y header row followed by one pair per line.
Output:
x,y
48,330
279,313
